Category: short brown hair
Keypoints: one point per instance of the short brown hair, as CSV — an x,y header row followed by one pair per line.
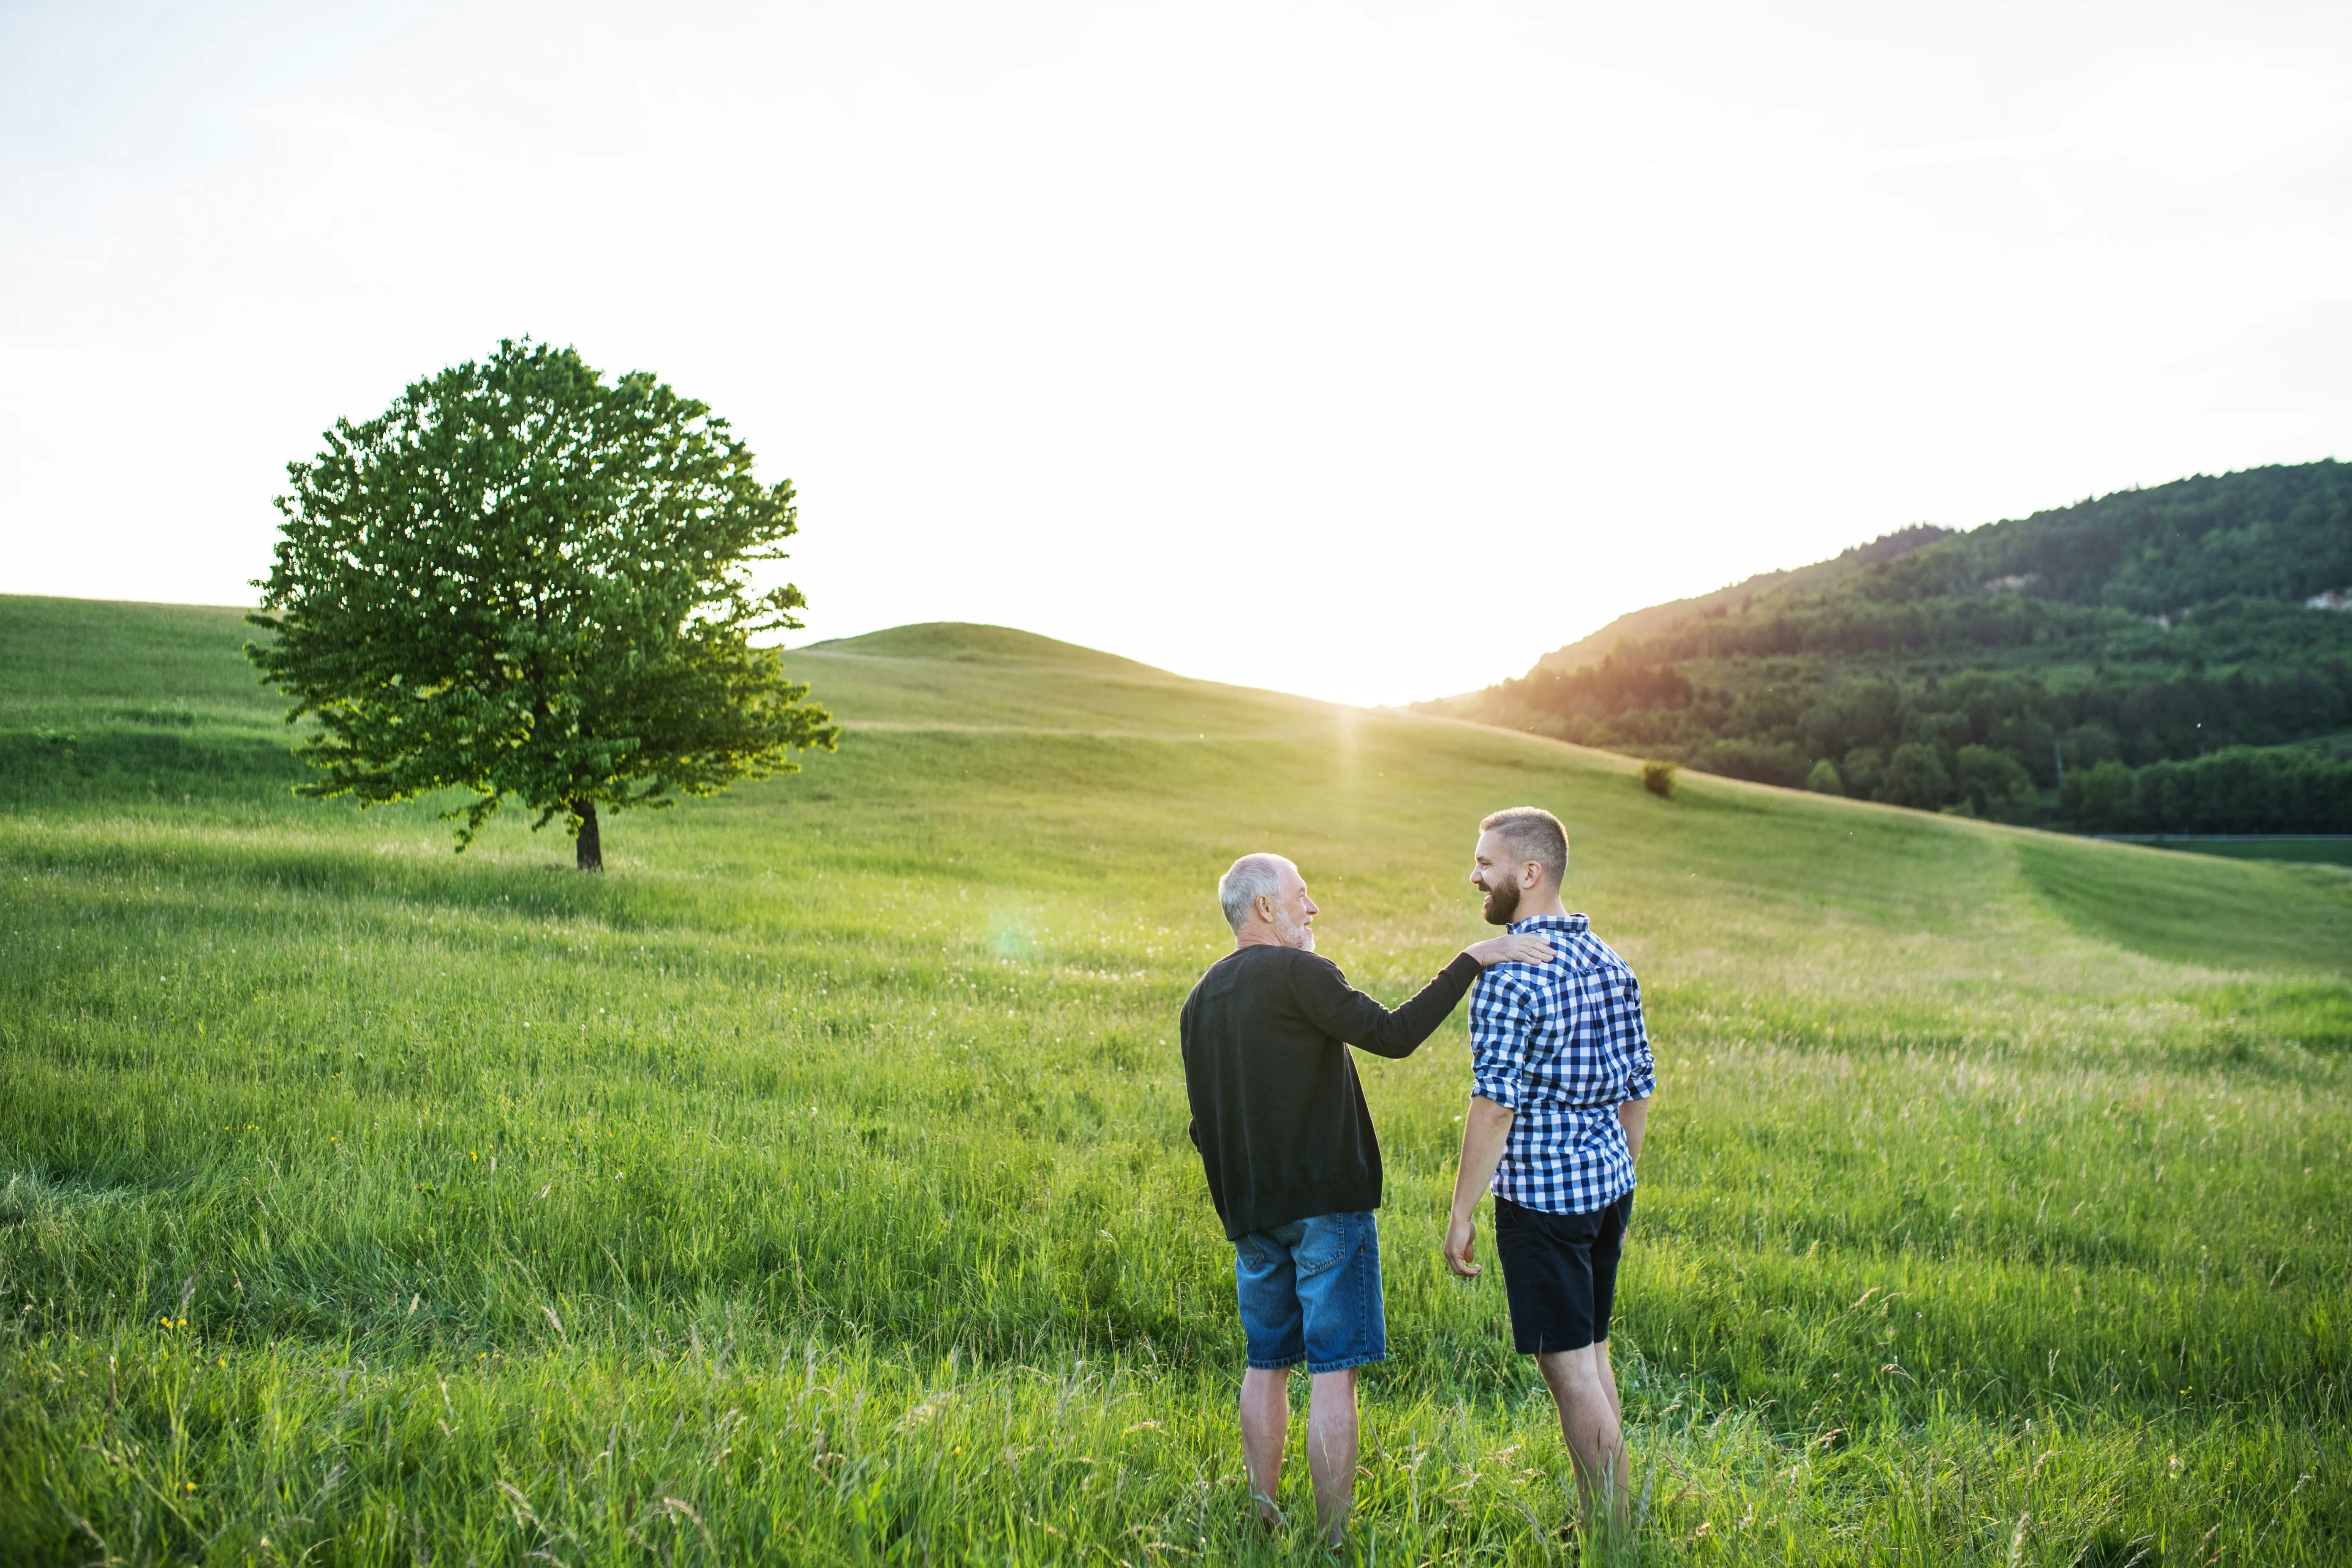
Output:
x,y
1533,834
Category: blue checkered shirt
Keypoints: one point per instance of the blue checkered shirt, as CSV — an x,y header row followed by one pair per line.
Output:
x,y
1561,1046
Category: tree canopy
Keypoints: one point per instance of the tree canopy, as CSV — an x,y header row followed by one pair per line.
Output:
x,y
522,581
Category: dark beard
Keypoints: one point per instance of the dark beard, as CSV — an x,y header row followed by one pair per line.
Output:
x,y
1502,903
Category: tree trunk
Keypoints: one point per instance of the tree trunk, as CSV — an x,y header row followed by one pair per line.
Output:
x,y
592,846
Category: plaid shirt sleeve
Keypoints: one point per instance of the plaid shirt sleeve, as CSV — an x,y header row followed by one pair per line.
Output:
x,y
1614,998
1502,1028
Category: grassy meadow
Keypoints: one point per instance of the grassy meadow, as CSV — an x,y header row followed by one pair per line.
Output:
x,y
814,1186
2311,851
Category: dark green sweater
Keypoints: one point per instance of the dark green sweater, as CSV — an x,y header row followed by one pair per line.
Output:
x,y
1277,1114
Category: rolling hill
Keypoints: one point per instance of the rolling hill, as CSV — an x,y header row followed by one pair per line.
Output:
x,y
812,1185
2170,659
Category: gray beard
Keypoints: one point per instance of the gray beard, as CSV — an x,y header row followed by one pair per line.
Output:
x,y
1502,903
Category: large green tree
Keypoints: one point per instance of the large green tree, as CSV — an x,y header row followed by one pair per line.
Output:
x,y
522,581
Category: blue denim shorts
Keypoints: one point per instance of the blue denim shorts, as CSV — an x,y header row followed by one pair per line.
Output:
x,y
1310,1291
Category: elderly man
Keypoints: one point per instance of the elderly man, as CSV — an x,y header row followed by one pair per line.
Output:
x,y
1292,1163
1561,1078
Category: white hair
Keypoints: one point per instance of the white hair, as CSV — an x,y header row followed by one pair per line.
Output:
x,y
1244,880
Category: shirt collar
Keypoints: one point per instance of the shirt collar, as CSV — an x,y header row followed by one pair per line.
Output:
x,y
1574,925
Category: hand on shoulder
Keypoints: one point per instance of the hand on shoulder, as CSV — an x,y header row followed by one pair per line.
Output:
x,y
1522,948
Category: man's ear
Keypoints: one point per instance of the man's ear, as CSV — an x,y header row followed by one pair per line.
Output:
x,y
1530,875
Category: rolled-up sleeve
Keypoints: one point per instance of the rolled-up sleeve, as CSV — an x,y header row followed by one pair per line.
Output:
x,y
1502,1026
1613,1004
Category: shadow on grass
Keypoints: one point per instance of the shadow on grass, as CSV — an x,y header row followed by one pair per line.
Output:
x,y
60,766
2316,1015
2199,910
26,1195
209,865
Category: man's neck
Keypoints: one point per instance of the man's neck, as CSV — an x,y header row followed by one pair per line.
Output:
x,y
1257,936
1530,910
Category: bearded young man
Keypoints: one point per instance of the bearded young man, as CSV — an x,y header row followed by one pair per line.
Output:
x,y
1560,1075
1293,1166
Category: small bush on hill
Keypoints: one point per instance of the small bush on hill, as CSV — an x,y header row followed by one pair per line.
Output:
x,y
1658,777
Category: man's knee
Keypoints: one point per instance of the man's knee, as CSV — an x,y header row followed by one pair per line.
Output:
x,y
1574,1373
1341,1381
1265,1382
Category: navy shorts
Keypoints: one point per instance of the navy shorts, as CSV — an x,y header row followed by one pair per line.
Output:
x,y
1560,1271
1310,1291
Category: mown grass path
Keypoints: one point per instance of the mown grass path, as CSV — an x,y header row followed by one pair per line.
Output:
x,y
814,1186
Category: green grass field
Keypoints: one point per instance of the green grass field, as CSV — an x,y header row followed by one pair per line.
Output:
x,y
812,1186
2311,851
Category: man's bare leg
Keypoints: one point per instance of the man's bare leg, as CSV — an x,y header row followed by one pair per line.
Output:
x,y
1265,1430
1584,1387
1624,1478
1608,1384
1331,1450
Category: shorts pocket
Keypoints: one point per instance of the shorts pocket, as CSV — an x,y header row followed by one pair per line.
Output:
x,y
1325,1244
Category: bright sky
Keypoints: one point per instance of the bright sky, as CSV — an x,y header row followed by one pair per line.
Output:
x,y
1361,350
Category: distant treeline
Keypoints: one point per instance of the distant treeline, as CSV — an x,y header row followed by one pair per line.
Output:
x,y
2242,790
2045,724
1997,743
1854,625
2153,651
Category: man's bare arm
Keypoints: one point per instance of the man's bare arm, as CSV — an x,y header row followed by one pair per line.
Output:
x,y
1635,1114
1485,1128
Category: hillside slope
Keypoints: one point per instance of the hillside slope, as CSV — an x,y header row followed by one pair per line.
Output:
x,y
1658,620
2175,658
953,673
821,1167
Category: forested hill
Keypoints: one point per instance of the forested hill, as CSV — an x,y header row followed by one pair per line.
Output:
x,y
2171,659
1658,618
